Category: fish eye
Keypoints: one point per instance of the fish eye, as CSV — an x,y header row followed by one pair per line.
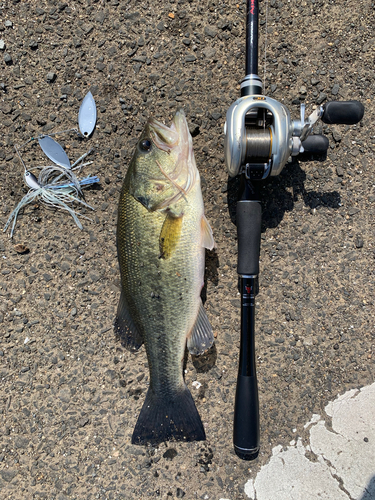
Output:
x,y
145,145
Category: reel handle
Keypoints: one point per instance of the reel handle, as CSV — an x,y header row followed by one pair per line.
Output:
x,y
342,112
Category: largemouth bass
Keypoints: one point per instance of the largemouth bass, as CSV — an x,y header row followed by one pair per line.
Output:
x,y
162,234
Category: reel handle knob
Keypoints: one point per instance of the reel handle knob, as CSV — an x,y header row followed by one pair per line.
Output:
x,y
315,144
343,112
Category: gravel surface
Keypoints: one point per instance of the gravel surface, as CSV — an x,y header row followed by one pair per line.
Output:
x,y
70,394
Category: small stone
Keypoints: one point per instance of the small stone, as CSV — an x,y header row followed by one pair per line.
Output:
x,y
7,58
19,248
209,52
8,474
303,90
64,395
2,45
335,89
94,277
8,24
51,77
353,211
140,59
33,45
321,98
359,242
190,58
340,171
180,493
170,454
336,135
21,442
77,42
67,89
100,16
65,266
210,31
216,115
83,421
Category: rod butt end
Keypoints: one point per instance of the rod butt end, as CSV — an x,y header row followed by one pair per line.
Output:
x,y
246,454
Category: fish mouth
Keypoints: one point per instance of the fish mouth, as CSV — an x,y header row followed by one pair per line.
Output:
x,y
164,137
176,138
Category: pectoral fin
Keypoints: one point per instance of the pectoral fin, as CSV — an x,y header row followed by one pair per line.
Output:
x,y
125,327
169,236
207,236
201,337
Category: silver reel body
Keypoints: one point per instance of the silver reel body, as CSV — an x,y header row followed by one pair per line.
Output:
x,y
269,145
260,136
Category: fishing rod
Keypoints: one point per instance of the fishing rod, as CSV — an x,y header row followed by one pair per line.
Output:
x,y
260,138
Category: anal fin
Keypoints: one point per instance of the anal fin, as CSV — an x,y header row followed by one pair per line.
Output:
x,y
125,327
201,337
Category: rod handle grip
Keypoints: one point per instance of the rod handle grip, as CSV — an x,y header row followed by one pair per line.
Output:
x,y
246,418
343,112
249,225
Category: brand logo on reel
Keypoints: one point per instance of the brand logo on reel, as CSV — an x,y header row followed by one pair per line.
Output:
x,y
252,7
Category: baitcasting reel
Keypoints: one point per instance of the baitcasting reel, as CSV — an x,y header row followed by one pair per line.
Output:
x,y
260,135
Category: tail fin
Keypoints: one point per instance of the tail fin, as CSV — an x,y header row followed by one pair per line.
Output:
x,y
164,420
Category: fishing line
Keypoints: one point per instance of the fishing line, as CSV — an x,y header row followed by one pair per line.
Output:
x,y
265,45
24,166
180,188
